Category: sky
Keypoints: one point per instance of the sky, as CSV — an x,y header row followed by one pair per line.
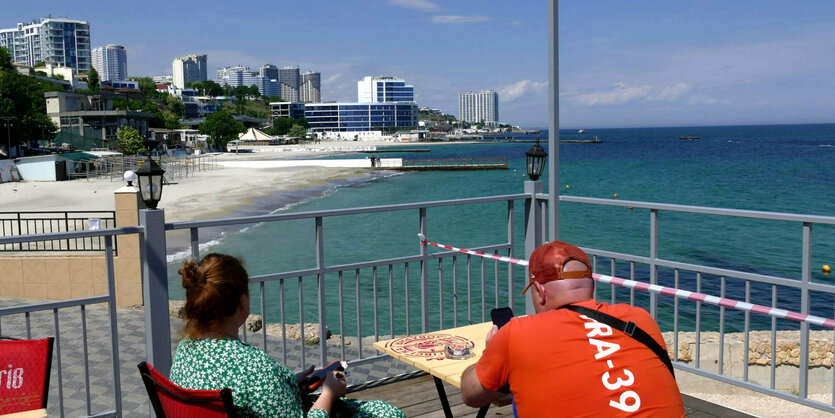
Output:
x,y
638,63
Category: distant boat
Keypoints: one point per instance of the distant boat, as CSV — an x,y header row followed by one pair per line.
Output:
x,y
581,131
688,138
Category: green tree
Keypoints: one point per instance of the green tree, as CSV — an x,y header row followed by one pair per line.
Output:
x,y
93,80
281,126
146,86
22,97
298,132
253,91
129,140
5,60
303,122
222,127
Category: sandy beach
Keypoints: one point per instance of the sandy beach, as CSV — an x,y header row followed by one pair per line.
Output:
x,y
206,195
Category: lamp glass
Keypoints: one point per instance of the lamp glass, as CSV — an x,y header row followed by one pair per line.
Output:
x,y
150,182
535,161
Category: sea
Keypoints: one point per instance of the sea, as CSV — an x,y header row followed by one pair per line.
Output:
x,y
775,168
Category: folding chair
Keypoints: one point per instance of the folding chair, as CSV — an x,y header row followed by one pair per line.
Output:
x,y
24,374
172,401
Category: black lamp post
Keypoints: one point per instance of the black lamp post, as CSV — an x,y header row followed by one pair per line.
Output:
x,y
8,124
535,160
149,176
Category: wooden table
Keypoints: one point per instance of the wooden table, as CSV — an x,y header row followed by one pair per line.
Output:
x,y
426,352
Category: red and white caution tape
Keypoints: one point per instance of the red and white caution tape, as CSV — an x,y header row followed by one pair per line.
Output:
x,y
667,291
511,260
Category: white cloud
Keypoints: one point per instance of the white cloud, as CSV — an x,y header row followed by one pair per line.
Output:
x,y
332,78
672,93
620,93
452,19
425,5
513,91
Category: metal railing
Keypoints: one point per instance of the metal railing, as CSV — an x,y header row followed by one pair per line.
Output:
x,y
113,167
406,294
756,288
30,223
71,332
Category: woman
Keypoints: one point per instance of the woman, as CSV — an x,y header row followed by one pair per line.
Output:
x,y
211,356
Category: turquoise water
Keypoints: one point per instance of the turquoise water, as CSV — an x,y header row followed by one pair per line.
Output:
x,y
769,168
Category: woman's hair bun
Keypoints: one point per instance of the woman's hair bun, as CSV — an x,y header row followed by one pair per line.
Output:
x,y
192,276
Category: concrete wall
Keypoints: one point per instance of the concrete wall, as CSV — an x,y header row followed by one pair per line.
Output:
x,y
60,277
5,174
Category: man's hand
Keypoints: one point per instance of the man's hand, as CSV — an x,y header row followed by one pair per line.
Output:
x,y
304,374
490,334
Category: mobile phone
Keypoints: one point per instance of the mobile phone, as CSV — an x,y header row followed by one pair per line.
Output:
x,y
501,316
318,377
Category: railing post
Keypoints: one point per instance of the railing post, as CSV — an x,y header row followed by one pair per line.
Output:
x,y
320,264
653,255
424,281
155,289
510,296
533,229
805,277
554,118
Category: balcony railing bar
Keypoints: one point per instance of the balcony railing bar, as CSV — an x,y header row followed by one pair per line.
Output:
x,y
742,213
74,234
713,270
340,212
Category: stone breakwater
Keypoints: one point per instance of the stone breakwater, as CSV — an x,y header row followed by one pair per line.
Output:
x,y
254,324
821,348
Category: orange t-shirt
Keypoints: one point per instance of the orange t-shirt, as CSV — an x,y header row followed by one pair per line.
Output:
x,y
559,363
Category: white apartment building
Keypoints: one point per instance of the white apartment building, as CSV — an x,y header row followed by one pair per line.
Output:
x,y
52,40
479,106
242,76
189,68
311,83
111,62
384,89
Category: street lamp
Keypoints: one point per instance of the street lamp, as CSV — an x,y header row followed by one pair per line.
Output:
x,y
535,160
8,124
149,176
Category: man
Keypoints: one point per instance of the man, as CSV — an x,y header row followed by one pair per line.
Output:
x,y
561,363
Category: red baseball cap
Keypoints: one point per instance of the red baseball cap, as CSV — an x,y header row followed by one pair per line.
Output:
x,y
548,261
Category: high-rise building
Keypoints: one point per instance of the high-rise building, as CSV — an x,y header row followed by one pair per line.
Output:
x,y
111,62
479,106
242,76
189,68
288,78
269,71
384,89
311,87
356,117
53,40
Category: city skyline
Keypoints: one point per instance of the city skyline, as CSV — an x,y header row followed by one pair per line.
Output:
x,y
648,63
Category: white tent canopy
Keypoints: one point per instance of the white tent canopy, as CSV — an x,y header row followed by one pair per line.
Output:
x,y
253,134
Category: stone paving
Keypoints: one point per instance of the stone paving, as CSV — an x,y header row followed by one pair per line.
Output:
x,y
68,392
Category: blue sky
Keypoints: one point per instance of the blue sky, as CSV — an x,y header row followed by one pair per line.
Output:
x,y
622,63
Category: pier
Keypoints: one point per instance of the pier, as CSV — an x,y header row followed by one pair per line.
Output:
x,y
448,164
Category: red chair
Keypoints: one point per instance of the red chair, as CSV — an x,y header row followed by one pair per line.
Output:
x,y
24,374
170,400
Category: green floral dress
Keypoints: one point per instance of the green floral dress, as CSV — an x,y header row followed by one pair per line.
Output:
x,y
260,386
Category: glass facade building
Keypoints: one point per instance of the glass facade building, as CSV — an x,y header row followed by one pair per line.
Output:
x,y
352,117
50,40
384,89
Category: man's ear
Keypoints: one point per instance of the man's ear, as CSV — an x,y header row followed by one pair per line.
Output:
x,y
540,291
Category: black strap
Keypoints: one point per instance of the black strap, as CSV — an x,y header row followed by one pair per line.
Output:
x,y
628,328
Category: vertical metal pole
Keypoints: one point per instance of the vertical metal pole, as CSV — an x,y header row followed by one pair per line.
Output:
x,y
805,278
114,333
320,264
533,229
424,282
653,255
155,289
510,296
554,118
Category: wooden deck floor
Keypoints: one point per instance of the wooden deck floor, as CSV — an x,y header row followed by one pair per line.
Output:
x,y
417,397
